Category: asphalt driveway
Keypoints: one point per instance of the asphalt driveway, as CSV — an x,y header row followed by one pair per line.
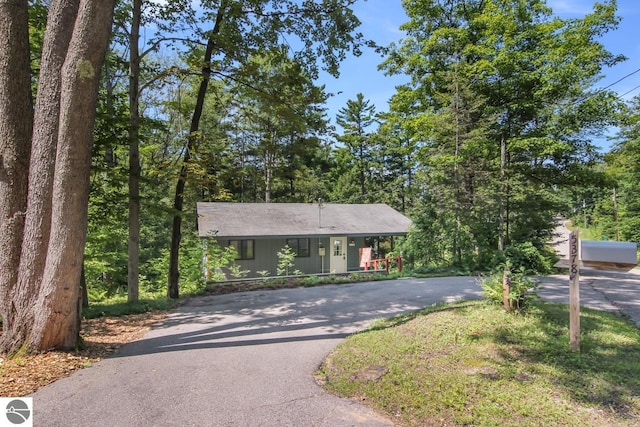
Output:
x,y
248,359
603,290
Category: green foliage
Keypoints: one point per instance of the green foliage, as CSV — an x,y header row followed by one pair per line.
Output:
x,y
357,119
310,281
498,100
318,34
336,279
277,134
437,271
425,244
97,294
119,306
106,247
527,258
286,260
38,10
613,212
237,271
522,290
369,277
219,258
191,265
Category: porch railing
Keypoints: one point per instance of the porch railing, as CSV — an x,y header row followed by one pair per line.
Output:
x,y
386,262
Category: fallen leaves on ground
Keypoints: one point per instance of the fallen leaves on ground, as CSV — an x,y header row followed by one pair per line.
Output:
x,y
24,375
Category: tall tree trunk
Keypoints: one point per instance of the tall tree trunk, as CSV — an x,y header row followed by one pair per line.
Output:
x,y
41,168
15,138
174,273
503,195
56,311
268,174
363,188
42,312
85,290
458,202
134,155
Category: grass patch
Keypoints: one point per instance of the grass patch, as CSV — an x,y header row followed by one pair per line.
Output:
x,y
438,271
119,306
471,363
287,282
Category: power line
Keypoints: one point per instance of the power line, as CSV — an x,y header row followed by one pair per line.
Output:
x,y
629,91
619,80
601,90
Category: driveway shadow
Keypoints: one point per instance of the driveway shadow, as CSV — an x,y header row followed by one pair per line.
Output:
x,y
289,315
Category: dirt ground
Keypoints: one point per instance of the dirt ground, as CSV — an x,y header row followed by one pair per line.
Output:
x,y
23,375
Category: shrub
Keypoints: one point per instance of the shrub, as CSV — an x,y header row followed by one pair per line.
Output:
x,y
237,272
311,281
529,258
220,258
286,259
522,291
434,271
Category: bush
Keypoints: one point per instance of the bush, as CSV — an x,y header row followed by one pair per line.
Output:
x,y
311,281
522,292
525,256
436,271
286,260
119,306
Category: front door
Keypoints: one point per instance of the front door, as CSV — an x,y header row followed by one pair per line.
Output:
x,y
338,262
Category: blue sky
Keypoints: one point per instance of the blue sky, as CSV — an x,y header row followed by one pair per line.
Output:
x,y
381,20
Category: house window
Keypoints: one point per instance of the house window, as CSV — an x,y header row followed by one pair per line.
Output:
x,y
299,246
337,247
243,247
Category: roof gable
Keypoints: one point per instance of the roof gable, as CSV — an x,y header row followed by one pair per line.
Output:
x,y
255,220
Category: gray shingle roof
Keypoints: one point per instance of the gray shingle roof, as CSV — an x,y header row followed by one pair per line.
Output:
x,y
257,220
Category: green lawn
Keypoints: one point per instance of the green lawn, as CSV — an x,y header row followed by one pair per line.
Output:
x,y
471,363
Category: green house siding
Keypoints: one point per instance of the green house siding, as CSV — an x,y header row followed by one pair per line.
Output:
x,y
266,257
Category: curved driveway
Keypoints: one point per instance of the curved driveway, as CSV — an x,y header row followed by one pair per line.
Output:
x,y
245,359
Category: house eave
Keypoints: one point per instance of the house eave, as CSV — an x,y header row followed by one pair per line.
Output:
x,y
295,236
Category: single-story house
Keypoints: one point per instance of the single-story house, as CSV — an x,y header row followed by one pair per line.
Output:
x,y
325,237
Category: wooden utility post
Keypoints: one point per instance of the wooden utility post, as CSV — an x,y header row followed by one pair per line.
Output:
x,y
615,213
601,255
574,292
